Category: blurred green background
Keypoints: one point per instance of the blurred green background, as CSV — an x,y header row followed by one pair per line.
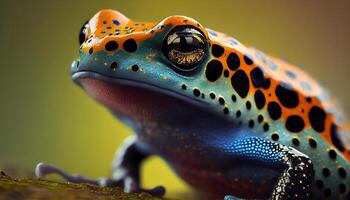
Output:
x,y
45,117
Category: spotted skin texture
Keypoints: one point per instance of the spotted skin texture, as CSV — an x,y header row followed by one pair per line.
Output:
x,y
236,93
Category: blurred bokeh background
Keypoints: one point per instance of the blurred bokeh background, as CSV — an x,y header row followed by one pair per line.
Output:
x,y
45,117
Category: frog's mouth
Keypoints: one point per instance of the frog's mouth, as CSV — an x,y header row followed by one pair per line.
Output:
x,y
139,100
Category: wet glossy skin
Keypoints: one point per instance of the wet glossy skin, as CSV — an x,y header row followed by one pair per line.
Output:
x,y
188,117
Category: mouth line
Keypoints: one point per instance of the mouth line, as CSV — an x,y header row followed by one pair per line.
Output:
x,y
134,83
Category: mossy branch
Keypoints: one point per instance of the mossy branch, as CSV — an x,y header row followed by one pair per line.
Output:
x,y
27,188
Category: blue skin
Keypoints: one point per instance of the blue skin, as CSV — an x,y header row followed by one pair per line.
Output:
x,y
187,132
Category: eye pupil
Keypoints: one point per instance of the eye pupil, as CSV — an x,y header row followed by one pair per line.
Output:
x,y
185,47
184,43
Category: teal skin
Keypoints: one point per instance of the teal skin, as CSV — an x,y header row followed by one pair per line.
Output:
x,y
218,152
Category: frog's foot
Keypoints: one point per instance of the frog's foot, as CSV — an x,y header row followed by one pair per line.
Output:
x,y
128,183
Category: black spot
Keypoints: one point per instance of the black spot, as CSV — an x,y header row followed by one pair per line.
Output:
x,y
251,123
332,154
221,100
226,110
260,118
233,61
111,45
226,73
266,127
275,136
248,105
287,96
308,99
312,143
91,50
295,123
326,172
212,95
116,22
274,110
203,95
335,138
233,98
266,84
213,70
296,141
247,60
196,92
130,45
240,83
291,74
257,76
135,68
217,50
259,99
238,114
342,172
317,117
342,188
114,66
319,184
327,192
184,87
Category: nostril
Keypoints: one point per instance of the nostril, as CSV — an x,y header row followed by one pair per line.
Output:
x,y
135,68
114,66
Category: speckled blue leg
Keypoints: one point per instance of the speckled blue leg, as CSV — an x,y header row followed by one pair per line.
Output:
x,y
126,171
297,173
230,197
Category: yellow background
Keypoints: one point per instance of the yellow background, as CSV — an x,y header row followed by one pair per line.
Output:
x,y
45,117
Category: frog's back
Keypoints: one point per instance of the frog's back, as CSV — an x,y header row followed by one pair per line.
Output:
x,y
295,110
316,108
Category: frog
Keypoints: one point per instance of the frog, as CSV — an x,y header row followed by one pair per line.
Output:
x,y
230,120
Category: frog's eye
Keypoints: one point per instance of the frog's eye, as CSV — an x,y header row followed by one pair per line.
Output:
x,y
185,47
82,34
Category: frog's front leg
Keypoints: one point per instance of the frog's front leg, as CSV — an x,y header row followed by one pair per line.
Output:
x,y
297,173
125,170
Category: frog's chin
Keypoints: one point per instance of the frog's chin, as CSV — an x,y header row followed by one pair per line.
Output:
x,y
139,100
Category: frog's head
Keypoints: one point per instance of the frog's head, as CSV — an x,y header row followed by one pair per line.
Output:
x,y
153,69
